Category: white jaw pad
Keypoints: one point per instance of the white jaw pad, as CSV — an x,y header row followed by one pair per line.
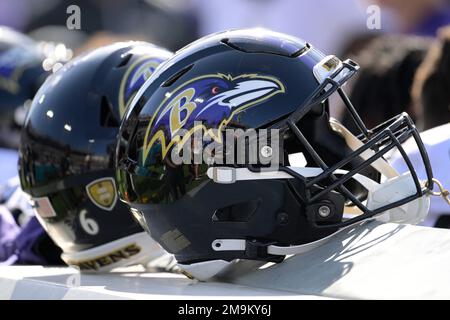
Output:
x,y
394,190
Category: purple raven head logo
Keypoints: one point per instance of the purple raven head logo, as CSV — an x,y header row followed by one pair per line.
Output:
x,y
12,64
211,100
134,78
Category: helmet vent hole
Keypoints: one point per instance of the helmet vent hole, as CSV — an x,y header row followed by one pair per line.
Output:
x,y
176,76
240,212
301,51
124,60
107,118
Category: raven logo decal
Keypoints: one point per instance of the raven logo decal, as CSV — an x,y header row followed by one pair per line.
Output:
x,y
12,64
211,99
134,78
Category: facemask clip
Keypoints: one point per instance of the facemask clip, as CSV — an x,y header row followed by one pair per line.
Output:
x,y
444,193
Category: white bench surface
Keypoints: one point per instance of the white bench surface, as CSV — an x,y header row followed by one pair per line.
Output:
x,y
373,261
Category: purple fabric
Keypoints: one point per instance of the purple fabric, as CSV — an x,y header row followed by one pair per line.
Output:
x,y
23,246
433,22
24,242
8,159
8,232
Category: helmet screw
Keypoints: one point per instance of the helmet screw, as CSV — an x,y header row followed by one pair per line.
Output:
x,y
266,151
282,218
324,211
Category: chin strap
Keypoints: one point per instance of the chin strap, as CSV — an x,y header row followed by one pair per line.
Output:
x,y
251,247
444,193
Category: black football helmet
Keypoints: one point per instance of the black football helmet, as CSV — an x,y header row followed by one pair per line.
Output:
x,y
67,152
21,74
211,212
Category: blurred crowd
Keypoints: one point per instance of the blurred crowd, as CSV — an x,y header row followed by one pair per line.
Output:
x,y
405,64
390,54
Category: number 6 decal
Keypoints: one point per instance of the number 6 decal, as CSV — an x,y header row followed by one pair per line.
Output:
x,y
88,224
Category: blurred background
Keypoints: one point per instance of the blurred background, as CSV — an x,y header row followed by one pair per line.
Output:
x,y
330,25
388,38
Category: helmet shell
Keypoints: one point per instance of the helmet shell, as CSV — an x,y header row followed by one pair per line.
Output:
x,y
68,141
237,79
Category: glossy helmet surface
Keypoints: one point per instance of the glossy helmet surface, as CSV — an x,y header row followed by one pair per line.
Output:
x,y
210,213
67,153
21,74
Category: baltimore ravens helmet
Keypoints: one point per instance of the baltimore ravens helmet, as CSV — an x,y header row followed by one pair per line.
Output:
x,y
211,197
21,74
66,156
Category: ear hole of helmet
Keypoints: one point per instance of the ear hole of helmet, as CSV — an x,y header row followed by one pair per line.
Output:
x,y
239,212
177,76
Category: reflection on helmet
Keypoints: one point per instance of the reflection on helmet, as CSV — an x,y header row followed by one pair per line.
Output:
x,y
66,156
211,213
